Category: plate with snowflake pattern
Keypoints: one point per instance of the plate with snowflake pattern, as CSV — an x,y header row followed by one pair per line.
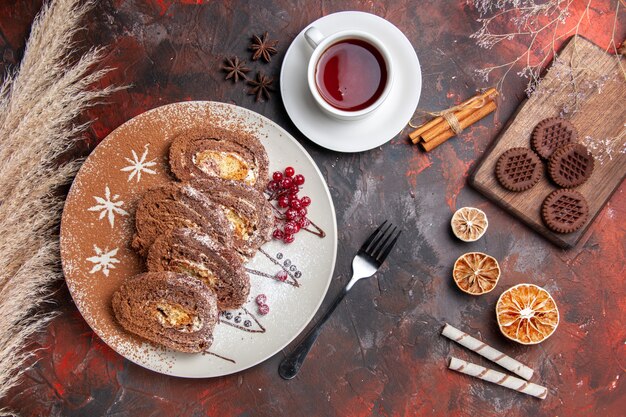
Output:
x,y
98,224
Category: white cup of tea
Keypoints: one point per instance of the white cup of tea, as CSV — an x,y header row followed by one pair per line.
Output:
x,y
350,73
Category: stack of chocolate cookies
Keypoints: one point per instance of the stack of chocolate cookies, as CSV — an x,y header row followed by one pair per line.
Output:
x,y
569,165
196,234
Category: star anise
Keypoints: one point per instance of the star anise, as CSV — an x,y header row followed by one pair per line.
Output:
x,y
263,47
235,68
261,86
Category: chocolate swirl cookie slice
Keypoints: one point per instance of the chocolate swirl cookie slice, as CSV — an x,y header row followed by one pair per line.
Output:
x,y
564,211
550,134
570,165
250,216
173,310
219,153
518,169
198,255
177,205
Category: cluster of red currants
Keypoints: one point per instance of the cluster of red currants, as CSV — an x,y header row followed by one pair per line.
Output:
x,y
284,188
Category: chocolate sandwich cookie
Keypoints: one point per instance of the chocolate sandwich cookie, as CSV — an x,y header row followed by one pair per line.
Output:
x,y
173,310
571,165
550,134
177,205
219,153
564,211
250,216
198,255
518,169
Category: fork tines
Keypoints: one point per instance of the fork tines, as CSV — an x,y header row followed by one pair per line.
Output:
x,y
379,244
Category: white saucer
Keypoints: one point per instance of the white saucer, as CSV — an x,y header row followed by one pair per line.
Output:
x,y
386,121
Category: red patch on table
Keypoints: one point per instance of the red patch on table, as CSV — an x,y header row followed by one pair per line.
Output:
x,y
418,163
164,5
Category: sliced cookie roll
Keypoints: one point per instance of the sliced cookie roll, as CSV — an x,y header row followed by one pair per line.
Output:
x,y
177,205
197,254
173,310
250,215
214,152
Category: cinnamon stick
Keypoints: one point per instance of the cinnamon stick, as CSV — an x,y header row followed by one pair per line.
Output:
x,y
461,114
415,135
440,123
443,127
477,115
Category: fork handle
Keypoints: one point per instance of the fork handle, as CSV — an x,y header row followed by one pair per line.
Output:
x,y
290,366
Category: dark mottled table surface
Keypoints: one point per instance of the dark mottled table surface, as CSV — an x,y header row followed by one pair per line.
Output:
x,y
381,353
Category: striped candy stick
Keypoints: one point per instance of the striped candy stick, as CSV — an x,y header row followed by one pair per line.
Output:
x,y
487,351
499,378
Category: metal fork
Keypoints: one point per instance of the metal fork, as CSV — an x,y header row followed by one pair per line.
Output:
x,y
367,261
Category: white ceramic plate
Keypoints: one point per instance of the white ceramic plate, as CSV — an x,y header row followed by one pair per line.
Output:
x,y
386,121
96,254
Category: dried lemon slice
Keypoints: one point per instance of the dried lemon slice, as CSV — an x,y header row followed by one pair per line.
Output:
x,y
469,224
527,314
476,273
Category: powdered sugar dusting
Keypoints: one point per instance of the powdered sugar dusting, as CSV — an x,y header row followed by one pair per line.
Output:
x,y
202,238
139,165
197,196
108,206
104,260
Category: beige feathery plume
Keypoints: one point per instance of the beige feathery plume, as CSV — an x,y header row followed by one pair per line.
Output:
x,y
38,106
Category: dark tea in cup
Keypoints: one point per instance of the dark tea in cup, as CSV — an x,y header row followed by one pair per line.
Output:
x,y
351,74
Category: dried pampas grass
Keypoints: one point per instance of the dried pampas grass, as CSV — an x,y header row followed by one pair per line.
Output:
x,y
38,105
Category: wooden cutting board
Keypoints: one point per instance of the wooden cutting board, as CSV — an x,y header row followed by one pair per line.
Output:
x,y
596,104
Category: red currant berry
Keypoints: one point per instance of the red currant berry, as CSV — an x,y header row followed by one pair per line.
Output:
x,y
278,234
291,214
283,201
264,309
305,201
282,276
288,238
296,227
286,183
261,299
295,204
272,186
289,171
299,179
290,228
303,222
302,212
277,176
295,189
